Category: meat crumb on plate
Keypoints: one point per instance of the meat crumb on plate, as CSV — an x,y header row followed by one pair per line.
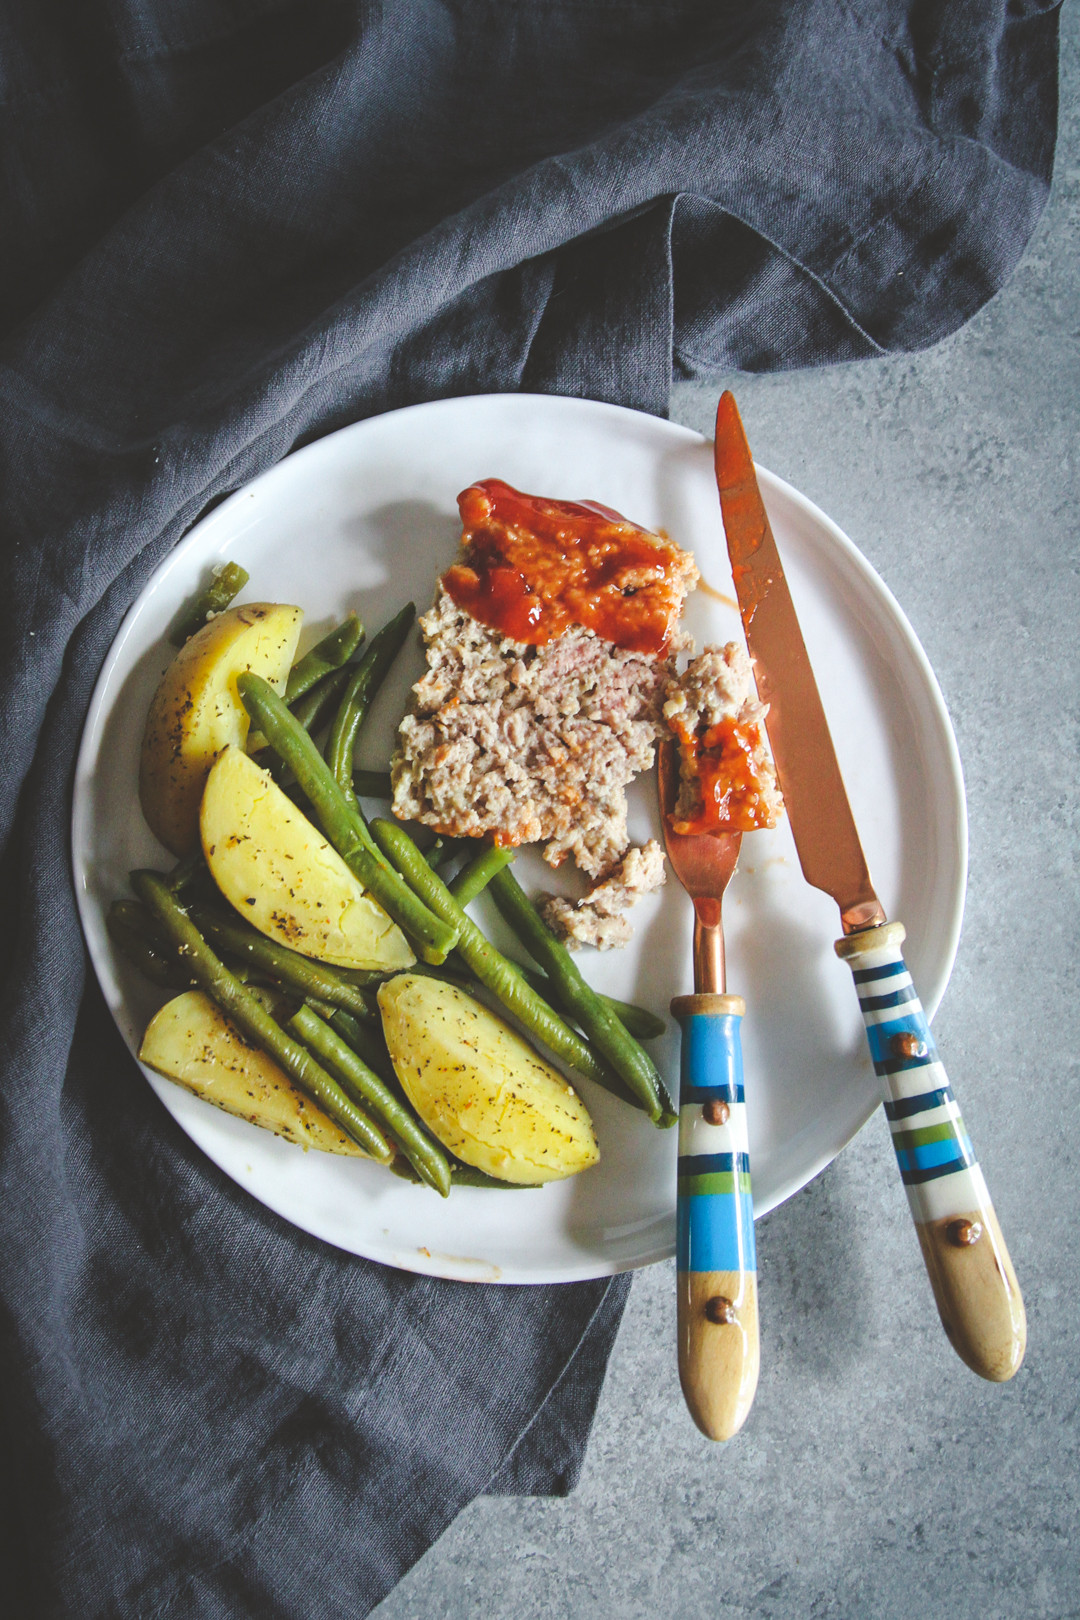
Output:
x,y
599,919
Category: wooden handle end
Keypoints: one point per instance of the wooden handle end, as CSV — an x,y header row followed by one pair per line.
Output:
x,y
719,1352
978,1297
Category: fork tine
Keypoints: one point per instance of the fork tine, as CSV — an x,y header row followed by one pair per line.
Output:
x,y
703,864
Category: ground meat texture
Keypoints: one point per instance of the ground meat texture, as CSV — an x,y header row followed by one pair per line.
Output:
x,y
599,918
533,744
714,695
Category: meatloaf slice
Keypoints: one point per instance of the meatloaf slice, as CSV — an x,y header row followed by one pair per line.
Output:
x,y
533,744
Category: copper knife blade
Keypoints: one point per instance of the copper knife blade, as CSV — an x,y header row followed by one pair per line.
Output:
x,y
978,1297
814,794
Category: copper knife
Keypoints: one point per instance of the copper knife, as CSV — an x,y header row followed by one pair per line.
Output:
x,y
968,1263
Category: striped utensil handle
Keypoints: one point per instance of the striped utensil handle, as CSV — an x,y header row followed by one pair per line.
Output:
x,y
970,1272
717,1263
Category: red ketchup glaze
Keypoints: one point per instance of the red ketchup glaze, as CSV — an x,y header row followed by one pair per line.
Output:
x,y
722,760
534,567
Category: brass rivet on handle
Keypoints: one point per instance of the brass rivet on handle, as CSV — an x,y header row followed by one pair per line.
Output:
x,y
963,1233
720,1310
908,1045
716,1111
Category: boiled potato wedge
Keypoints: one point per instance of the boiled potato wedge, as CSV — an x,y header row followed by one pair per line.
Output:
x,y
192,1042
479,1088
196,711
280,873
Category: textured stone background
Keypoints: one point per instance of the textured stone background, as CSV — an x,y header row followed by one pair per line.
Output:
x,y
876,1477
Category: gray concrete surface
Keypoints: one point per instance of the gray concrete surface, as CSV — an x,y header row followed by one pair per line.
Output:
x,y
876,1477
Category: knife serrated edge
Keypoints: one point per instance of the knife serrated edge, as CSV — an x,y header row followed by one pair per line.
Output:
x,y
816,800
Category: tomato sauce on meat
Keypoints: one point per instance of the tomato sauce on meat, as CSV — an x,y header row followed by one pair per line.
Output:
x,y
731,797
533,567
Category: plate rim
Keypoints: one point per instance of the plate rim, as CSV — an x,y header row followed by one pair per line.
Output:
x,y
591,1267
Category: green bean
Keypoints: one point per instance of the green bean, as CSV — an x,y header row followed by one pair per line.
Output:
x,y
467,1175
475,876
185,872
441,851
372,784
462,1175
325,1009
314,707
642,1023
327,655
226,581
160,967
297,973
365,1086
148,946
365,978
252,1018
492,968
603,1028
137,920
311,710
357,696
367,1042
342,824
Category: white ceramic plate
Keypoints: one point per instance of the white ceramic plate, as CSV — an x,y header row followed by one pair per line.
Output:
x,y
366,518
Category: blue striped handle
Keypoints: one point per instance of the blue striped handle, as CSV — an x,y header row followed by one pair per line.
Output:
x,y
970,1270
716,1257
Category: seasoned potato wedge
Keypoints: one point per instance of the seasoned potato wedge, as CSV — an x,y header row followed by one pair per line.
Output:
x,y
196,711
192,1042
479,1088
280,873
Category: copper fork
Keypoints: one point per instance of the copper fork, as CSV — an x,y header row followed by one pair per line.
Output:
x,y
717,1265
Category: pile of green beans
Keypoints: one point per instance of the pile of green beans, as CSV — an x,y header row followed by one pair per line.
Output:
x,y
249,1015
607,1032
352,1053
